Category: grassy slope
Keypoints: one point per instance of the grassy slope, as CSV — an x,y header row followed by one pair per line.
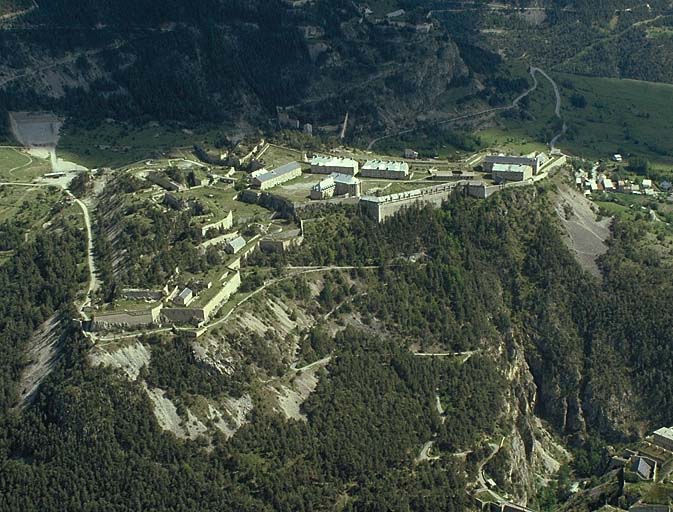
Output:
x,y
19,167
625,116
116,145
27,205
622,115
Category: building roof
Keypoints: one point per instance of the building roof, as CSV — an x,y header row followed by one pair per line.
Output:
x,y
643,468
237,243
344,179
395,14
385,165
279,171
517,167
607,183
333,161
259,172
325,184
666,432
185,294
509,159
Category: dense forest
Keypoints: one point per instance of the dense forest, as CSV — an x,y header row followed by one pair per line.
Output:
x,y
41,278
493,277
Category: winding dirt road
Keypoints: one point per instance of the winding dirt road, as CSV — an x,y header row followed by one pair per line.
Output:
x,y
488,111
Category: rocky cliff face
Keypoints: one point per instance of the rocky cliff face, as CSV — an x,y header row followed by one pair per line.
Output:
x,y
381,73
321,60
530,455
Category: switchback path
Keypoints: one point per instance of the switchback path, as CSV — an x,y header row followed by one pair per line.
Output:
x,y
488,111
19,167
557,108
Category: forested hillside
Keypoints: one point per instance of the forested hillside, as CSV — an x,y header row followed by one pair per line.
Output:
x,y
219,60
491,279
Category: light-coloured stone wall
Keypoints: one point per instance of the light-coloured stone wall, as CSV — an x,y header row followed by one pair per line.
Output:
x,y
230,286
226,223
127,319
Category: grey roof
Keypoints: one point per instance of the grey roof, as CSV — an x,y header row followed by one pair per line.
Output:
x,y
279,171
666,432
237,243
508,160
333,161
518,167
643,468
345,179
325,184
185,293
385,165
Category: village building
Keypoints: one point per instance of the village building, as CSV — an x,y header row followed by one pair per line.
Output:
x,y
280,242
502,172
410,154
279,175
323,189
285,121
385,170
234,245
395,14
644,467
334,164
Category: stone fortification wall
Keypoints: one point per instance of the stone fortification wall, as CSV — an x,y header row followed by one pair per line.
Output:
x,y
380,208
226,223
127,319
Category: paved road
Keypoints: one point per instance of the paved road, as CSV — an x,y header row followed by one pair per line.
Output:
x,y
445,354
18,184
320,362
495,448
